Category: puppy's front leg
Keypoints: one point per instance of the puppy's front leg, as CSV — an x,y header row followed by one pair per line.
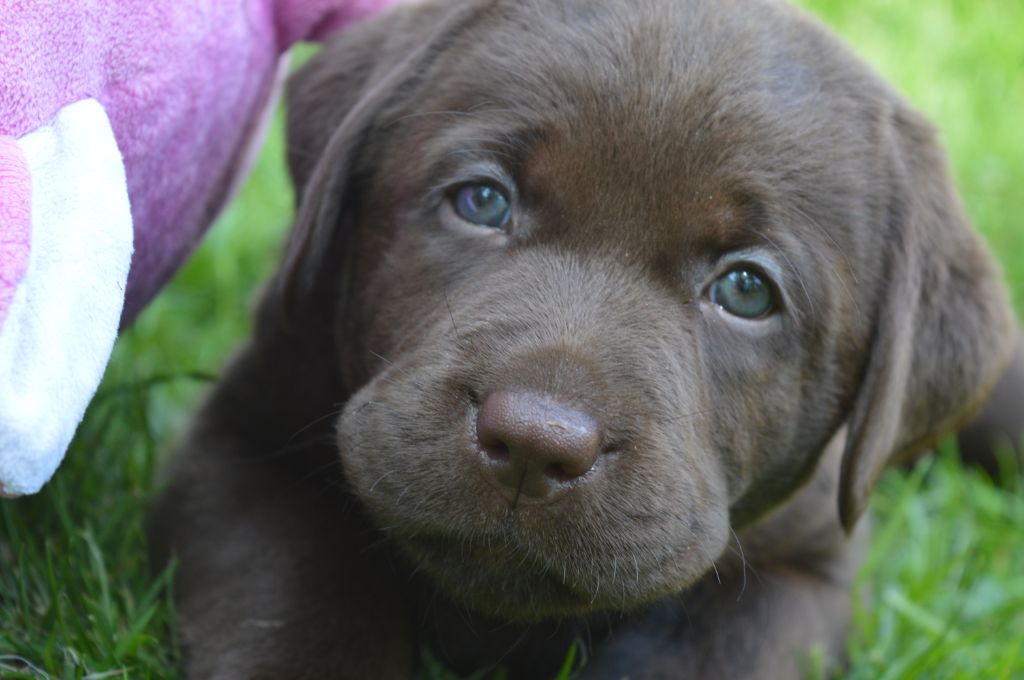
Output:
x,y
276,577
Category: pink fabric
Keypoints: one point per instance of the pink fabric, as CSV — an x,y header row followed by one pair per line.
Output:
x,y
15,223
184,83
319,19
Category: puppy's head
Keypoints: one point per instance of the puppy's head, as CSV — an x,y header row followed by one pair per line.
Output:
x,y
606,277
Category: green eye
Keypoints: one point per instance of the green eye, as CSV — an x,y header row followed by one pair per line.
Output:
x,y
744,292
483,204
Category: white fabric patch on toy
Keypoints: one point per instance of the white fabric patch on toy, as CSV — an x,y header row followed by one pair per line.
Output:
x,y
63,319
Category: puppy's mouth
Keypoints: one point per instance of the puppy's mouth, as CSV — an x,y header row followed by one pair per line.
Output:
x,y
502,579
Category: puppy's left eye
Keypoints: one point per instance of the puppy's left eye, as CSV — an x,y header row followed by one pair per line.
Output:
x,y
744,292
483,204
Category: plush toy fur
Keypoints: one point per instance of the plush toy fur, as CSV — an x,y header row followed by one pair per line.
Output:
x,y
124,126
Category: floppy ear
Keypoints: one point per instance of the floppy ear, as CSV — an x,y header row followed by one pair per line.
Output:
x,y
348,90
943,334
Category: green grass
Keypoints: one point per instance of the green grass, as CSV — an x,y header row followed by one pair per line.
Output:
x,y
944,582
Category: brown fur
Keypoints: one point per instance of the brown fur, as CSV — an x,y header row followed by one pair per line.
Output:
x,y
647,145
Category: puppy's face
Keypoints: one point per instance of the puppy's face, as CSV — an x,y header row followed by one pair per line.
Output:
x,y
614,275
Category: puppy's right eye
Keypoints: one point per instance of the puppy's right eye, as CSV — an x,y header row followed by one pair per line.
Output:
x,y
483,204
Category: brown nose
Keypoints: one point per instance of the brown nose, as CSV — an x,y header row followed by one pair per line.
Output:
x,y
532,445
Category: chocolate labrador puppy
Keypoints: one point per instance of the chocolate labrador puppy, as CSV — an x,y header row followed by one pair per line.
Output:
x,y
598,323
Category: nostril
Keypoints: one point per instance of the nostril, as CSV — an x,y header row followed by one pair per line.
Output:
x,y
490,436
497,452
560,473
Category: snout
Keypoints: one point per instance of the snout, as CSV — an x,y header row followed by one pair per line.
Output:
x,y
534,448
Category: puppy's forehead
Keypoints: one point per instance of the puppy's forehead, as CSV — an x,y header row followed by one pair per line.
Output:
x,y
670,108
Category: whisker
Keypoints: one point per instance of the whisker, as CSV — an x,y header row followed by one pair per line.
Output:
x,y
381,478
743,560
839,250
451,316
792,268
334,413
387,361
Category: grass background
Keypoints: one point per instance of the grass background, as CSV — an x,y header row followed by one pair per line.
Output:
x,y
944,581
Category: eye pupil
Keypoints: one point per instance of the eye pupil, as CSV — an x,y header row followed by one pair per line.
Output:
x,y
743,292
484,205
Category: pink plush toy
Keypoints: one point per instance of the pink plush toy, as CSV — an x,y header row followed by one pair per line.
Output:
x,y
123,124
